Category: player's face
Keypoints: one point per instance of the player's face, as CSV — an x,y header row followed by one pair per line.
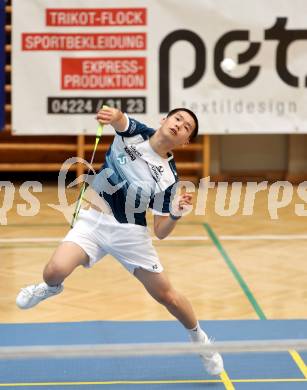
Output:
x,y
178,127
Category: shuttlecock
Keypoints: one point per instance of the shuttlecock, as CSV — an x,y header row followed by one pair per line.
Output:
x,y
228,65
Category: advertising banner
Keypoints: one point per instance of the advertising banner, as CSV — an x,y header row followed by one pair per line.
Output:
x,y
2,64
240,66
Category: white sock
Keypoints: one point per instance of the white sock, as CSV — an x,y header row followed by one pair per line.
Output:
x,y
197,334
53,287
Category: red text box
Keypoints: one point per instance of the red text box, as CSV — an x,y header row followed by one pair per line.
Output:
x,y
104,73
59,41
96,17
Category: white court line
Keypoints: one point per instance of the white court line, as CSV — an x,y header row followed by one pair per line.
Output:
x,y
241,237
266,237
149,349
29,240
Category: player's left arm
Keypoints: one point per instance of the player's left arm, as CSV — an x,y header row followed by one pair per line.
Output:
x,y
164,225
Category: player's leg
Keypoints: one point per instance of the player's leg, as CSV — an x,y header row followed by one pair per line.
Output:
x,y
160,288
65,259
137,254
81,246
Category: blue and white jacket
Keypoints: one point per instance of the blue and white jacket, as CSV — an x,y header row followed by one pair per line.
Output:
x,y
134,177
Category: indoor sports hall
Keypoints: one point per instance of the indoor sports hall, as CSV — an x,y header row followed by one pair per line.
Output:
x,y
237,251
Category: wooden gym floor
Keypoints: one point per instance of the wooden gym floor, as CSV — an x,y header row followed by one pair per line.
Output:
x,y
236,267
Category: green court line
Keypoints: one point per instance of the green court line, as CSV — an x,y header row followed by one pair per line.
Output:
x,y
235,272
151,382
295,355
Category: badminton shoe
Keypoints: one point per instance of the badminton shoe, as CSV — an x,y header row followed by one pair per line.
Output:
x,y
32,295
212,361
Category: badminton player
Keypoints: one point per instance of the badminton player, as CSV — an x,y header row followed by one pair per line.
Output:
x,y
139,172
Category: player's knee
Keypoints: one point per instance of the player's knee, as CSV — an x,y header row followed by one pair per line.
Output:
x,y
168,298
52,272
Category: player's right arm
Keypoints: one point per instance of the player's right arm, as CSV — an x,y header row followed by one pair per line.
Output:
x,y
114,117
123,125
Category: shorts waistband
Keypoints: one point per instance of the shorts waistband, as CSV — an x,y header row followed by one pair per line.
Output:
x,y
102,208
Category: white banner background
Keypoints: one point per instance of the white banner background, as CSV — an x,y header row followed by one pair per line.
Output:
x,y
267,105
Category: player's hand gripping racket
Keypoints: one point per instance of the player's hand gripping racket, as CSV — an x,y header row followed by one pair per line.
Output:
x,y
85,183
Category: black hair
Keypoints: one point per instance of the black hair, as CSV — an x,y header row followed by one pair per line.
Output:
x,y
191,113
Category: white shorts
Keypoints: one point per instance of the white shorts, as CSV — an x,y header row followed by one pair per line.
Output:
x,y
99,234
